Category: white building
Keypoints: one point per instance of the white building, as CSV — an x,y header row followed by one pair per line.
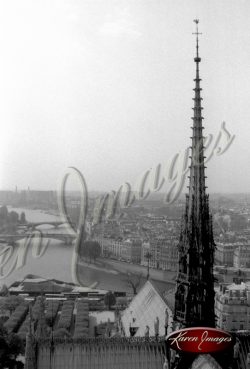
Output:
x,y
232,306
131,250
224,253
163,253
110,247
241,257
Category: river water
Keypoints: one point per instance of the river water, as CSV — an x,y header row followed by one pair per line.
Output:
x,y
56,262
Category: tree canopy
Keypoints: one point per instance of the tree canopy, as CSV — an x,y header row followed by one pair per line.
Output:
x,y
90,249
13,217
10,303
22,217
4,290
11,345
109,299
134,281
9,220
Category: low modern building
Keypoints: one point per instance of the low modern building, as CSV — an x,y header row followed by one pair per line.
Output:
x,y
32,286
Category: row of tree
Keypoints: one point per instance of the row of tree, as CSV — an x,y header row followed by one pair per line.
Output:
x,y
10,303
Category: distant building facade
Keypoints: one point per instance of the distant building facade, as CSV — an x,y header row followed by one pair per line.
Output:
x,y
163,253
232,306
110,247
131,250
43,199
128,250
241,257
224,253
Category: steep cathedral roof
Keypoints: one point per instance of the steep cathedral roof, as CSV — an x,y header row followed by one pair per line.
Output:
x,y
143,310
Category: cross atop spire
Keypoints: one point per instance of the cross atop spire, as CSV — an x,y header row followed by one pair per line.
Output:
x,y
196,21
197,33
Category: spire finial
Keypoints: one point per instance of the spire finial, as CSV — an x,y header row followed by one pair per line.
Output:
x,y
197,33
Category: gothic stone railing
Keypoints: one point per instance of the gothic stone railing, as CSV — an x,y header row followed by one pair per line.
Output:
x,y
102,341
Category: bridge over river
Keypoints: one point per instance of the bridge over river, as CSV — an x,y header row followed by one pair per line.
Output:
x,y
67,238
55,224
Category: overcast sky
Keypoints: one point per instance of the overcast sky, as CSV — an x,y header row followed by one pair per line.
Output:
x,y
106,86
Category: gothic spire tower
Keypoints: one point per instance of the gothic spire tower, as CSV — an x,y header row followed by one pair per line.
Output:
x,y
194,298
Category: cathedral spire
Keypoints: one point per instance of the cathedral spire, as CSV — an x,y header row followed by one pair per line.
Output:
x,y
197,187
197,33
194,299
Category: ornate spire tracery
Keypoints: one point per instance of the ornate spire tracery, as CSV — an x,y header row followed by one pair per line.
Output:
x,y
194,300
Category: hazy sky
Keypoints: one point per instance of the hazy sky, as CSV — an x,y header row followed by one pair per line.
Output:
x,y
106,86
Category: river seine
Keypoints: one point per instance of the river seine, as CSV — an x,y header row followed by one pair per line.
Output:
x,y
56,261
